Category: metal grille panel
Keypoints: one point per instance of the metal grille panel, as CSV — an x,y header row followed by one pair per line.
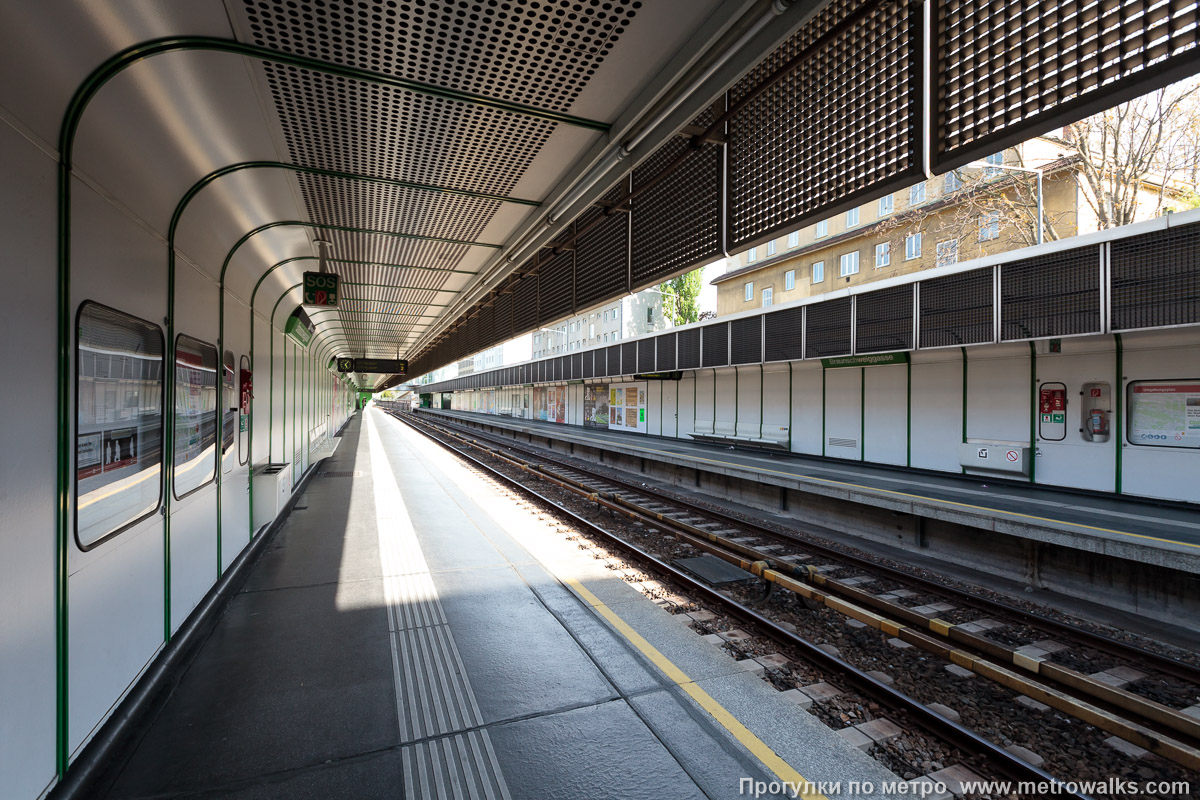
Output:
x,y
1156,279
689,349
842,124
502,319
957,309
645,355
525,305
614,359
827,329
884,320
670,236
784,333
602,254
716,345
588,365
629,358
556,280
1004,68
664,347
746,340
1052,295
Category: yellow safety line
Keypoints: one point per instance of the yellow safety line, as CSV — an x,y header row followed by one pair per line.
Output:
x,y
756,746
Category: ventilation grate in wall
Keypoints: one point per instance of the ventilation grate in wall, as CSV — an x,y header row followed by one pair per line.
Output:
x,y
1156,279
716,345
745,340
1051,295
884,320
827,328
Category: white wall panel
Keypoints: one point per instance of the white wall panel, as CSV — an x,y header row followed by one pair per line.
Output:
x,y
885,415
749,401
28,334
687,409
235,500
937,403
193,551
843,413
998,394
670,408
725,397
1073,461
807,407
705,399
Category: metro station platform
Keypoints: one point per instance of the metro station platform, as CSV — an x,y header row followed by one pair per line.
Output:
x,y
1161,535
409,632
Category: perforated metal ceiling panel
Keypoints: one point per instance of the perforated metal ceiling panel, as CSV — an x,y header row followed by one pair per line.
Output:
x,y
884,320
1156,279
840,125
1003,69
957,309
602,258
556,290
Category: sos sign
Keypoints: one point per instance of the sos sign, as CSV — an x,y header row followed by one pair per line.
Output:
x,y
320,289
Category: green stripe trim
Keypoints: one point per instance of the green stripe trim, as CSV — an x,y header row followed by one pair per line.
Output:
x,y
1119,392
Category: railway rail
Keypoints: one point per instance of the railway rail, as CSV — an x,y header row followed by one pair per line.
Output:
x,y
929,720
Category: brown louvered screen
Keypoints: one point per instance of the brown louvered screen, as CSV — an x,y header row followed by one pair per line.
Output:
x,y
745,340
883,320
670,236
784,334
602,253
1051,295
1006,71
827,329
844,122
957,309
1156,279
664,357
715,352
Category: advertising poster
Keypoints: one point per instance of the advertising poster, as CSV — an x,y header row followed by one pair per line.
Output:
x,y
539,403
1164,413
627,407
595,406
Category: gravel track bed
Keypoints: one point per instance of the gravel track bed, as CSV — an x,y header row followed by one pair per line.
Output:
x,y
1072,750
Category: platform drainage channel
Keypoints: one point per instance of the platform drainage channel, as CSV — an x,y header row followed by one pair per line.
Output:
x,y
713,570
339,475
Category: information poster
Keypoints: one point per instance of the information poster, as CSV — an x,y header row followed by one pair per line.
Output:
x,y
595,405
539,403
1164,413
627,407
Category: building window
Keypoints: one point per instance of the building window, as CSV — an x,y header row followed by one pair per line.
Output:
x,y
818,271
822,228
886,205
947,252
195,415
752,255
606,337
771,248
606,316
848,264
749,293
997,159
789,280
912,246
591,330
118,417
953,182
650,315
883,254
793,239
767,297
916,194
852,218
989,226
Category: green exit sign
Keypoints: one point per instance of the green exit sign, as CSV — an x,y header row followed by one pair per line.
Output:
x,y
320,289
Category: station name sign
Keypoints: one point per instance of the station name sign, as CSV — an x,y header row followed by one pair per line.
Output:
x,y
383,366
299,328
871,360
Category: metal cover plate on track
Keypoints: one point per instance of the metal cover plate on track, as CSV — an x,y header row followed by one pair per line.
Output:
x,y
713,570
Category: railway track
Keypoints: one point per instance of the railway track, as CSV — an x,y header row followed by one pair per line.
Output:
x,y
785,562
